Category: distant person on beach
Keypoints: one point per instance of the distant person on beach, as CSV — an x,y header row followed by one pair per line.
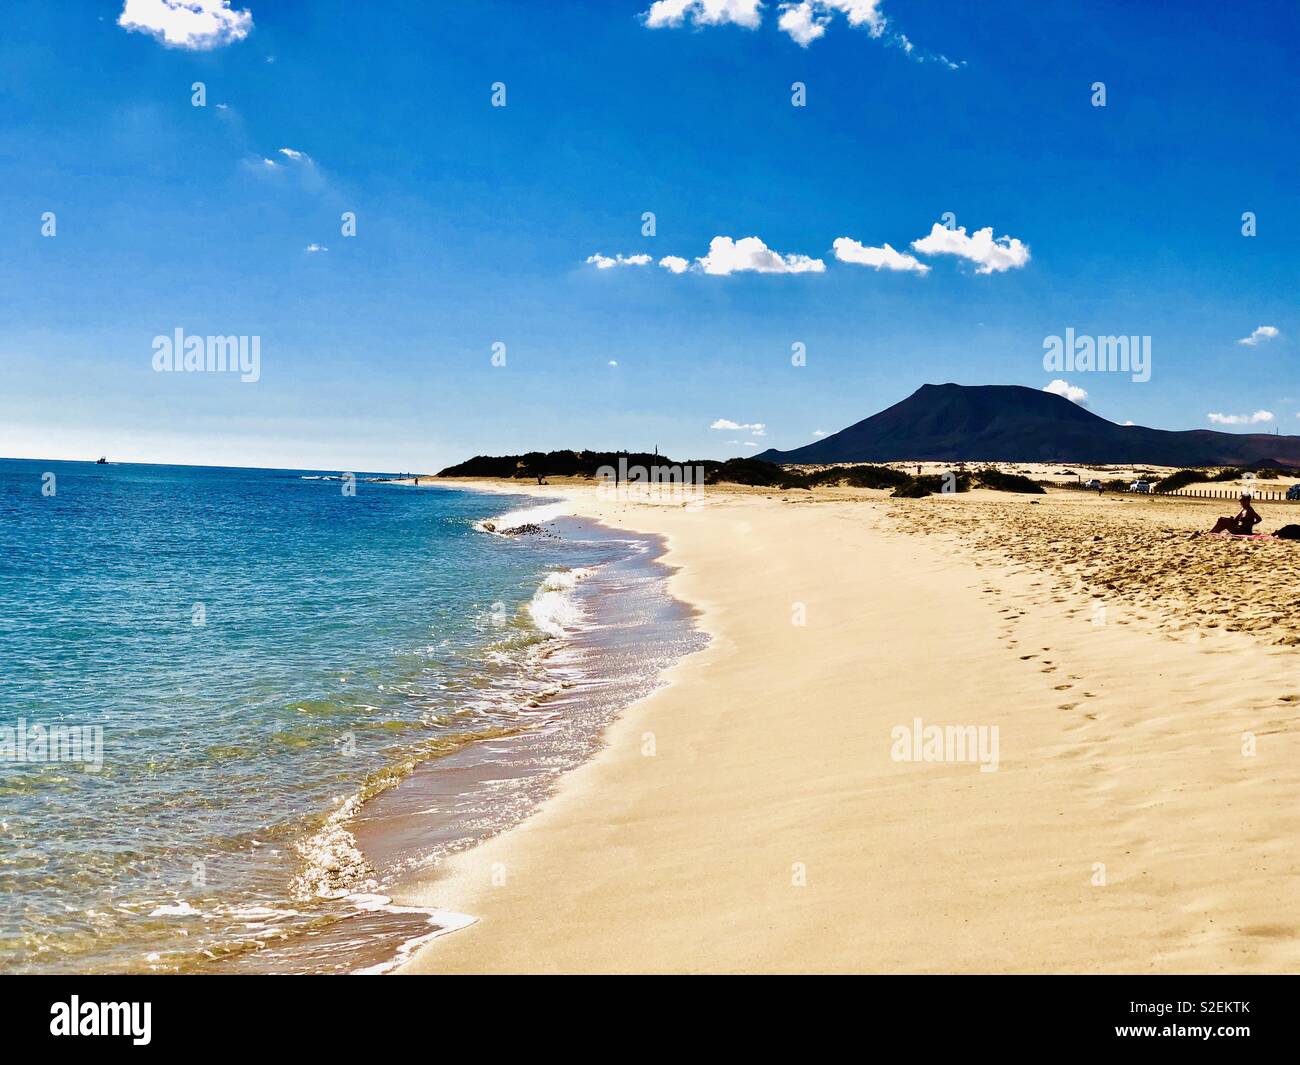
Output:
x,y
1243,524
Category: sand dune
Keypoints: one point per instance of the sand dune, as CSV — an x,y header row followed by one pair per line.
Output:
x,y
1124,829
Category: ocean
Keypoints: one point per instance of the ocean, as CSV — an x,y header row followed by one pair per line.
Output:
x,y
239,709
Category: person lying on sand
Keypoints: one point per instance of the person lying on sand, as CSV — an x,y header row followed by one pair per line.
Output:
x,y
1243,524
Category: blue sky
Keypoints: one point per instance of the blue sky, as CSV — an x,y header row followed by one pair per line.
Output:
x,y
475,223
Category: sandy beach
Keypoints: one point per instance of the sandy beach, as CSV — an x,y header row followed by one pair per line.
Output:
x,y
756,814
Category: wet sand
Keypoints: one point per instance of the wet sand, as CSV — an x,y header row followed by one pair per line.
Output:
x,y
753,815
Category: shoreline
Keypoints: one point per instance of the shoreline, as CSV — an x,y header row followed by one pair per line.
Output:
x,y
488,786
768,828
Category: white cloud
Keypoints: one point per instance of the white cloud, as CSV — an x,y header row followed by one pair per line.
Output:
x,y
316,247
1263,332
994,256
295,155
727,256
807,20
703,13
604,262
755,428
613,362
675,263
1128,423
804,21
193,24
801,23
819,432
1241,419
1073,393
848,250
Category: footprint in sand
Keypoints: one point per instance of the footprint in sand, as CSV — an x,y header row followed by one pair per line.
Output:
x,y
1063,687
1290,698
1067,706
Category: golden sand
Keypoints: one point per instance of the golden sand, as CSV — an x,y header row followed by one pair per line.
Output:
x,y
751,816
1146,552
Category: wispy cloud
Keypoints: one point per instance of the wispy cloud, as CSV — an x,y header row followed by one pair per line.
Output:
x,y
291,161
848,250
194,24
1259,417
605,262
314,248
993,256
1073,393
1261,333
922,55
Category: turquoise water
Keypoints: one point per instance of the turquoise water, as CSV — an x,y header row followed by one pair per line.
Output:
x,y
262,652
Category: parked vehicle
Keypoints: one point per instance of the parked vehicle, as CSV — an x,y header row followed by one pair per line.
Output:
x,y
1140,486
1093,485
1293,492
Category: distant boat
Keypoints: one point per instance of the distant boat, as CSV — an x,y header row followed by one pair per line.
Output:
x,y
101,461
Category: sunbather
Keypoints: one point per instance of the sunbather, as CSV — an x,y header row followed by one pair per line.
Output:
x,y
1243,524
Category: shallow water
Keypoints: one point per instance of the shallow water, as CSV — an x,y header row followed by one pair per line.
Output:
x,y
304,696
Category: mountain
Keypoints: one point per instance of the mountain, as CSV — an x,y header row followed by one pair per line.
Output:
x,y
1017,424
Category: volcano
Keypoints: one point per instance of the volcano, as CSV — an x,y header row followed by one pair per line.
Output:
x,y
1012,423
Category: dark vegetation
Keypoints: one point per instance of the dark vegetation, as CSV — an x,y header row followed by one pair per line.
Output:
x,y
746,471
1008,482
549,464
1183,478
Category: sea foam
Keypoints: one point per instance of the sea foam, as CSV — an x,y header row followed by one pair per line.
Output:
x,y
554,609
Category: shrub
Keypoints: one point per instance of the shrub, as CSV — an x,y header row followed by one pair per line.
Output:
x,y
1181,479
1007,482
860,477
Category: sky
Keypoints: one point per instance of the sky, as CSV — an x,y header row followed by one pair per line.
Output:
x,y
796,159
